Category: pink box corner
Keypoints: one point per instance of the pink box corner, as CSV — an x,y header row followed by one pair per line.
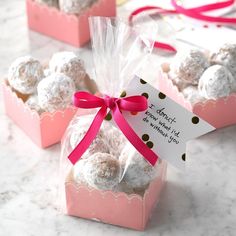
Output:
x,y
44,130
219,113
70,29
130,211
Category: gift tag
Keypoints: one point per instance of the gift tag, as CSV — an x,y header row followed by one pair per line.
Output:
x,y
165,126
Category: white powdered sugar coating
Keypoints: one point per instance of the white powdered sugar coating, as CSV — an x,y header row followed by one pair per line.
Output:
x,y
69,64
33,103
50,3
75,6
102,171
216,82
24,74
108,154
55,92
191,93
47,72
115,139
99,144
226,56
78,171
189,66
137,171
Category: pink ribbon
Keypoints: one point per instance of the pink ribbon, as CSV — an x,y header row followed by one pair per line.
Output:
x,y
195,13
116,106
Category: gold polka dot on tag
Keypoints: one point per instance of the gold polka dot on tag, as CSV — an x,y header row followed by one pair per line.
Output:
x,y
123,94
145,137
195,120
142,81
161,95
150,144
145,95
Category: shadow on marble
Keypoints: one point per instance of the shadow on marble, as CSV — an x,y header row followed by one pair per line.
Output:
x,y
174,201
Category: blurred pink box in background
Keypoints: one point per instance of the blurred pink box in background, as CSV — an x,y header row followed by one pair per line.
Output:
x,y
45,129
117,208
219,113
70,29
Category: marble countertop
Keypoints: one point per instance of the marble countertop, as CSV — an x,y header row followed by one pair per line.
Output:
x,y
199,201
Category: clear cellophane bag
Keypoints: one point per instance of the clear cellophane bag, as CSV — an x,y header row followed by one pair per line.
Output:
x,y
111,162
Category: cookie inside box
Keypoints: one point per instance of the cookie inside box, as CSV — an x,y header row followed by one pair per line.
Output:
x,y
217,112
128,210
23,97
201,76
49,87
126,190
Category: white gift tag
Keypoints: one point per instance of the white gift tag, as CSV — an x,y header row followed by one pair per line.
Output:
x,y
165,126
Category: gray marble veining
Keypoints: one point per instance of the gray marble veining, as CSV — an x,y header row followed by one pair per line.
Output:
x,y
199,202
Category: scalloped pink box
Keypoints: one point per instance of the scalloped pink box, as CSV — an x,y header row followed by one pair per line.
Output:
x,y
117,208
71,29
219,113
45,129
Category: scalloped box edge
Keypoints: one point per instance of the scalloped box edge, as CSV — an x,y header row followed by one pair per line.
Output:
x,y
70,29
219,113
116,208
45,129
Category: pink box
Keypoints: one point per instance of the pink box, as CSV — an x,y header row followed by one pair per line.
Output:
x,y
117,208
46,129
219,113
71,29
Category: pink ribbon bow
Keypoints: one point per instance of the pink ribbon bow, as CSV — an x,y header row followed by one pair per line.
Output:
x,y
196,13
115,105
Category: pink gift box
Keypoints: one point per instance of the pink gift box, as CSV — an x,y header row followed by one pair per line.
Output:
x,y
117,208
71,29
45,129
219,113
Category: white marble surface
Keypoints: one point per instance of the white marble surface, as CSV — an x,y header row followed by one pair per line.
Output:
x,y
199,201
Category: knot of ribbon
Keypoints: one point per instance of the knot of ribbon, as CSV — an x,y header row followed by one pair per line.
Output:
x,y
195,12
108,104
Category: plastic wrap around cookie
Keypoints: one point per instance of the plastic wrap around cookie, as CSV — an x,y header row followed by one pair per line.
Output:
x,y
110,162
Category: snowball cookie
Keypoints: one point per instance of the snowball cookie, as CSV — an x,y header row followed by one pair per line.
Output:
x,y
99,144
33,103
189,66
115,140
226,56
192,95
179,83
55,92
51,3
137,171
78,171
123,187
102,171
69,64
24,74
216,82
46,72
75,6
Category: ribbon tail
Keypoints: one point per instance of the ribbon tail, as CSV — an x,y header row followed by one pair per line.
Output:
x,y
133,138
197,15
84,144
164,46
